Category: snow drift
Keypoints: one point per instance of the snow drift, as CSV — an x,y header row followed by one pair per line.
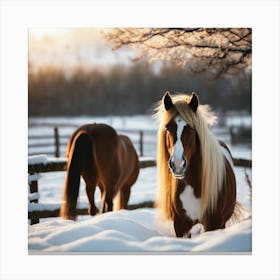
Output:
x,y
133,231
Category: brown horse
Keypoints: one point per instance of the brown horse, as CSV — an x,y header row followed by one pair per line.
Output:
x,y
196,181
104,159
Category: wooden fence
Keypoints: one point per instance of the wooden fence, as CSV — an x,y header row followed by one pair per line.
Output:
x,y
60,165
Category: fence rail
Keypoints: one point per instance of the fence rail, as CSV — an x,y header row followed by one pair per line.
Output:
x,y
60,165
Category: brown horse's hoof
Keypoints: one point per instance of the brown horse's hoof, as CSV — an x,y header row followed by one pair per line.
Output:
x,y
93,211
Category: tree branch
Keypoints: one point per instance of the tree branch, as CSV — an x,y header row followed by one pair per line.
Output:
x,y
220,48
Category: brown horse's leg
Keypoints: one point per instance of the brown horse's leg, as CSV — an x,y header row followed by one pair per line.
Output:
x,y
182,225
122,198
124,195
90,180
92,209
108,191
102,202
108,202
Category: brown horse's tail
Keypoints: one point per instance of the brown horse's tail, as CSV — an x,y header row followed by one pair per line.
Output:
x,y
79,153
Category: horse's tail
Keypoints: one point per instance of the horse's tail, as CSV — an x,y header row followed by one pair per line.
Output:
x,y
239,213
80,151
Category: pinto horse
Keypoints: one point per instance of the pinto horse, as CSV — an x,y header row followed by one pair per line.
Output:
x,y
196,181
104,159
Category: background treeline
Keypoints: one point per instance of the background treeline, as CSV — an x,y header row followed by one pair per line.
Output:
x,y
124,90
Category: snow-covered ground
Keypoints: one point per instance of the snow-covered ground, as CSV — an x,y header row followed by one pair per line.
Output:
x,y
132,231
129,231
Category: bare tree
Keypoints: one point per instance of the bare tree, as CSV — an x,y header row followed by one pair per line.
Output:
x,y
220,51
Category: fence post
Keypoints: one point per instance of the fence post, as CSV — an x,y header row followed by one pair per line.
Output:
x,y
56,141
141,143
34,189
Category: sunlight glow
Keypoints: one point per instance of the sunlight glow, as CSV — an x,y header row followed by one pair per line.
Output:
x,y
40,33
69,48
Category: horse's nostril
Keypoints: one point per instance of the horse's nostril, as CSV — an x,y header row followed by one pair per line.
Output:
x,y
184,163
171,164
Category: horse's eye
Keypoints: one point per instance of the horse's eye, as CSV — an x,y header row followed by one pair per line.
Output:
x,y
166,128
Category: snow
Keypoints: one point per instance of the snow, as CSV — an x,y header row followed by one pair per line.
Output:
x,y
132,231
33,196
36,159
33,177
43,159
129,230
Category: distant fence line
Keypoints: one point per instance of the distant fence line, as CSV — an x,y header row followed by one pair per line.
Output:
x,y
57,139
143,140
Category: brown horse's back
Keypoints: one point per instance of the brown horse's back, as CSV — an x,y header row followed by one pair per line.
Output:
x,y
106,160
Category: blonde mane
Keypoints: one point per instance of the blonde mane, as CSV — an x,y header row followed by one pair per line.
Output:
x,y
213,166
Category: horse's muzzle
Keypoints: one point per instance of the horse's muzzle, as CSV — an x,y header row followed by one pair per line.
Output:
x,y
178,167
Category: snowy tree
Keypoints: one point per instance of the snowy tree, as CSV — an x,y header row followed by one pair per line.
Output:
x,y
220,51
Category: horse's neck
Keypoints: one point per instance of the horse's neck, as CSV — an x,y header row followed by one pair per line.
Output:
x,y
194,174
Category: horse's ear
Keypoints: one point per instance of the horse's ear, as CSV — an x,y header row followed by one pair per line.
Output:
x,y
194,102
168,104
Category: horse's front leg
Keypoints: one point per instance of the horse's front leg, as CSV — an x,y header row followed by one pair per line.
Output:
x,y
182,225
213,222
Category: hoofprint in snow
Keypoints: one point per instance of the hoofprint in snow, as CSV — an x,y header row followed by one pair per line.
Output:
x,y
131,231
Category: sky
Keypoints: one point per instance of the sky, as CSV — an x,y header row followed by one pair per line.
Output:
x,y
73,47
